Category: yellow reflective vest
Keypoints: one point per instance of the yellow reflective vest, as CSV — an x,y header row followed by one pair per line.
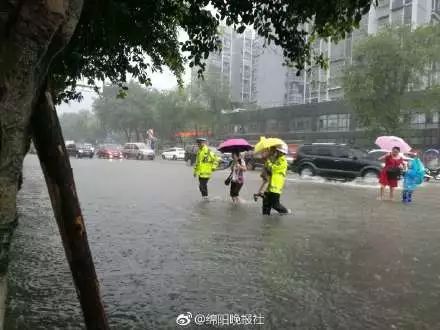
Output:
x,y
206,162
278,172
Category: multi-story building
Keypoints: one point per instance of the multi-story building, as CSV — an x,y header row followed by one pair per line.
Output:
x,y
325,84
256,74
233,65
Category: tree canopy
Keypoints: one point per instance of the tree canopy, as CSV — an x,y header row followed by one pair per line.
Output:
x,y
393,71
167,112
118,37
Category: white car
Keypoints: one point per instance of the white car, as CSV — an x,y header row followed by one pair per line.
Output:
x,y
138,151
174,154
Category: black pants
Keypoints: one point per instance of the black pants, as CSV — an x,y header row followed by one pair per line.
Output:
x,y
272,201
203,186
235,189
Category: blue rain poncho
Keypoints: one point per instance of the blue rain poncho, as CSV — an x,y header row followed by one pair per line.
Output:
x,y
414,176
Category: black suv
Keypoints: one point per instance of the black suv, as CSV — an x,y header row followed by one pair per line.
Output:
x,y
334,161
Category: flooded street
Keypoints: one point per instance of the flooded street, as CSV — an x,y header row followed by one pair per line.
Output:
x,y
343,261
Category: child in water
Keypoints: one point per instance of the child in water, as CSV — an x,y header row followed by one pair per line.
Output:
x,y
265,176
412,178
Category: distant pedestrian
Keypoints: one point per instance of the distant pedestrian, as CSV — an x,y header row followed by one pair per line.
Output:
x,y
238,167
276,166
391,173
206,163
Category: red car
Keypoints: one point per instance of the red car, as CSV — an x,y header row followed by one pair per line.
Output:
x,y
109,151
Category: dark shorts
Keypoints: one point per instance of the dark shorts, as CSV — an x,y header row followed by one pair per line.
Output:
x,y
235,189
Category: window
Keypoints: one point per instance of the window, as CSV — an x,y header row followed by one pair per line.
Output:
x,y
301,124
407,13
383,21
334,122
338,50
432,120
397,16
272,125
322,151
342,152
436,5
416,140
317,150
253,127
397,4
418,120
306,150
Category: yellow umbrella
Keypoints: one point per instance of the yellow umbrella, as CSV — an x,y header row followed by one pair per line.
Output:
x,y
266,143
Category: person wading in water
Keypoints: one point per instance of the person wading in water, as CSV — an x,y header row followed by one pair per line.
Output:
x,y
276,165
238,167
206,163
390,174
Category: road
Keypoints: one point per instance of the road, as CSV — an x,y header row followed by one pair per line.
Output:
x,y
343,261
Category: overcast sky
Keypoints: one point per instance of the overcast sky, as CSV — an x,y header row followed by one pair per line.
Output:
x,y
161,81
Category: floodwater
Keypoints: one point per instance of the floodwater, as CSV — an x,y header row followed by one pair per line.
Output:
x,y
343,261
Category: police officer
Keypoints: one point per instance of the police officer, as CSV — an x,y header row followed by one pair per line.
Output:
x,y
277,167
206,163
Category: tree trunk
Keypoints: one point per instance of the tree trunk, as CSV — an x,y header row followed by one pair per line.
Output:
x,y
55,163
33,33
28,33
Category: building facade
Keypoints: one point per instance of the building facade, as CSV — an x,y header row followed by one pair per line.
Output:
x,y
256,74
233,65
332,121
325,84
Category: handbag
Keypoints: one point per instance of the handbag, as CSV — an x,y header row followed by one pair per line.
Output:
x,y
394,173
228,179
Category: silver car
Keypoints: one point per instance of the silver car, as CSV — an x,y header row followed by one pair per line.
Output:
x,y
137,150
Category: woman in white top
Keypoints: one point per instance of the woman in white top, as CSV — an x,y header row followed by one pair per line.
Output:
x,y
238,167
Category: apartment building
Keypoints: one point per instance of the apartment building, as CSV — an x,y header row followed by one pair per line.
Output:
x,y
256,74
233,65
325,85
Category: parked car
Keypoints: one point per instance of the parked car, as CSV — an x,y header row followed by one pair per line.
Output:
x,y
335,161
109,151
84,150
191,154
174,154
225,160
137,150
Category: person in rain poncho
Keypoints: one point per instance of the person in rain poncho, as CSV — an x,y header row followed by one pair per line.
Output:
x,y
277,170
412,178
206,163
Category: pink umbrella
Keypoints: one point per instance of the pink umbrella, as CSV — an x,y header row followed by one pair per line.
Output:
x,y
235,145
389,142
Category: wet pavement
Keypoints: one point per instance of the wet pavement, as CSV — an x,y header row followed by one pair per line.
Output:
x,y
343,261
